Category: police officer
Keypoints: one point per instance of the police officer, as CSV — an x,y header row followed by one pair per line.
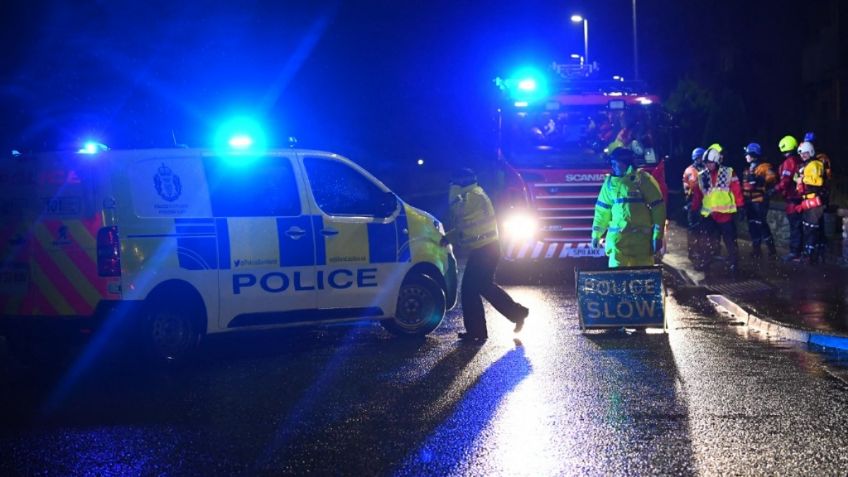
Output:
x,y
630,211
786,185
810,184
718,196
758,180
693,216
475,229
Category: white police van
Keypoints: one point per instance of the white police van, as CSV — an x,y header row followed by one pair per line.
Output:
x,y
196,241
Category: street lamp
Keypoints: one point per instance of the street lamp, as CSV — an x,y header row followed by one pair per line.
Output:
x,y
585,21
635,45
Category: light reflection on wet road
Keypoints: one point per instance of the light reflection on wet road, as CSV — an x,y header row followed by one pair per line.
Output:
x,y
705,398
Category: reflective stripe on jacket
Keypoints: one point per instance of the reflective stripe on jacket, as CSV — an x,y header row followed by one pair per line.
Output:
x,y
472,217
629,204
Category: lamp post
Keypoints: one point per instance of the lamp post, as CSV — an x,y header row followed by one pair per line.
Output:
x,y
635,45
580,19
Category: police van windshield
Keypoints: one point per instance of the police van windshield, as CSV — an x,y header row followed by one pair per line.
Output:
x,y
576,136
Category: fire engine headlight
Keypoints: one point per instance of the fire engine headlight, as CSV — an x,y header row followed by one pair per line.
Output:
x,y
520,226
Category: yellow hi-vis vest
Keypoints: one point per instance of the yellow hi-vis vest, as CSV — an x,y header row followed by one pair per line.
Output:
x,y
472,217
717,197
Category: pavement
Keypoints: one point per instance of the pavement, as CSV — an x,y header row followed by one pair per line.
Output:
x,y
795,301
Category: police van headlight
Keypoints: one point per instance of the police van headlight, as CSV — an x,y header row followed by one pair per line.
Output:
x,y
520,225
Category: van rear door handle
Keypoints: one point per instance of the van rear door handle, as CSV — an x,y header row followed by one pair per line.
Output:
x,y
295,232
329,232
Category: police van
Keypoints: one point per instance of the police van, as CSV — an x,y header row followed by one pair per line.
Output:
x,y
188,242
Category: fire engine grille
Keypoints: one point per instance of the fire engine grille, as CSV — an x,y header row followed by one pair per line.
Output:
x,y
565,210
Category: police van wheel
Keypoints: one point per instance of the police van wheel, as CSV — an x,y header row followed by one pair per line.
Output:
x,y
420,307
172,335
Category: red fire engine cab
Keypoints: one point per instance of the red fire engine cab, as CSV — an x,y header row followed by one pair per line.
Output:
x,y
554,131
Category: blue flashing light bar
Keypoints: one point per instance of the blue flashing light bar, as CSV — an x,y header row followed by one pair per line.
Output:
x,y
240,135
527,84
241,141
92,147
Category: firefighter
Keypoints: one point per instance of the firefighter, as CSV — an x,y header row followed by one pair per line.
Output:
x,y
630,211
758,181
811,179
825,192
787,187
475,229
718,197
693,216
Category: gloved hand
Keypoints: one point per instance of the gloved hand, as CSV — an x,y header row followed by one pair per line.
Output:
x,y
656,244
596,243
799,208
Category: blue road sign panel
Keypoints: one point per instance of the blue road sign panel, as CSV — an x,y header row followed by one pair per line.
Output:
x,y
626,297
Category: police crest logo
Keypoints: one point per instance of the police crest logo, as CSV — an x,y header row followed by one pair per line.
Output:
x,y
168,184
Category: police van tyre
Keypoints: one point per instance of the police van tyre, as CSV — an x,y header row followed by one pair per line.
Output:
x,y
420,307
172,331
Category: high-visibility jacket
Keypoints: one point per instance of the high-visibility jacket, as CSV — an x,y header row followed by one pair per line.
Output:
x,y
811,180
720,192
472,217
631,212
756,180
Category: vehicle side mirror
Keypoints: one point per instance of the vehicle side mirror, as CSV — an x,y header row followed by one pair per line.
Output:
x,y
388,204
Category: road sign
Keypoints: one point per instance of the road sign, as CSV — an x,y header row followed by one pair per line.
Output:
x,y
623,297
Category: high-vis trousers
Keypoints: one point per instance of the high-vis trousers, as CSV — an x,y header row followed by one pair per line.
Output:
x,y
630,248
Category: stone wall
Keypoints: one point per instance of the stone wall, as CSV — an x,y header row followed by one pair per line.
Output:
x,y
835,225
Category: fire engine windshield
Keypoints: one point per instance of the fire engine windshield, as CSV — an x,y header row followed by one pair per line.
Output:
x,y
576,136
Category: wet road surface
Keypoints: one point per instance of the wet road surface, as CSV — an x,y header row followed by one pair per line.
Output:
x,y
704,399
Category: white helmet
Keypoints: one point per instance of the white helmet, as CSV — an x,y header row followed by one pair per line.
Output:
x,y
808,148
712,155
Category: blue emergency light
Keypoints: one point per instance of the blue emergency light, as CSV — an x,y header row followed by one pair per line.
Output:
x,y
240,134
92,147
527,85
241,141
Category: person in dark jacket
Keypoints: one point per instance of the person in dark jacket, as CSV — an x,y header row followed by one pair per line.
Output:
x,y
758,180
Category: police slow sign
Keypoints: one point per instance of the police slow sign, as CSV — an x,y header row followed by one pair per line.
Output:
x,y
627,297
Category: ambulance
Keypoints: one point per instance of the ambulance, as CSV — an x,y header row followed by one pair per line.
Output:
x,y
180,243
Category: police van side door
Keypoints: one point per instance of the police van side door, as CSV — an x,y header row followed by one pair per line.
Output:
x,y
356,236
265,240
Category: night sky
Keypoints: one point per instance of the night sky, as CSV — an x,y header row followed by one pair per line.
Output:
x,y
378,80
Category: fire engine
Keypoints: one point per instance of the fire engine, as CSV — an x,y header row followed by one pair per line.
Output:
x,y
554,130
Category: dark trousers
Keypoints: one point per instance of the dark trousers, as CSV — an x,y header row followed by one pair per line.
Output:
x,y
795,233
724,232
758,226
812,232
693,235
478,282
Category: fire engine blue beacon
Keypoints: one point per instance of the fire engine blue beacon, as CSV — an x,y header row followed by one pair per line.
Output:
x,y
525,86
626,297
92,147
